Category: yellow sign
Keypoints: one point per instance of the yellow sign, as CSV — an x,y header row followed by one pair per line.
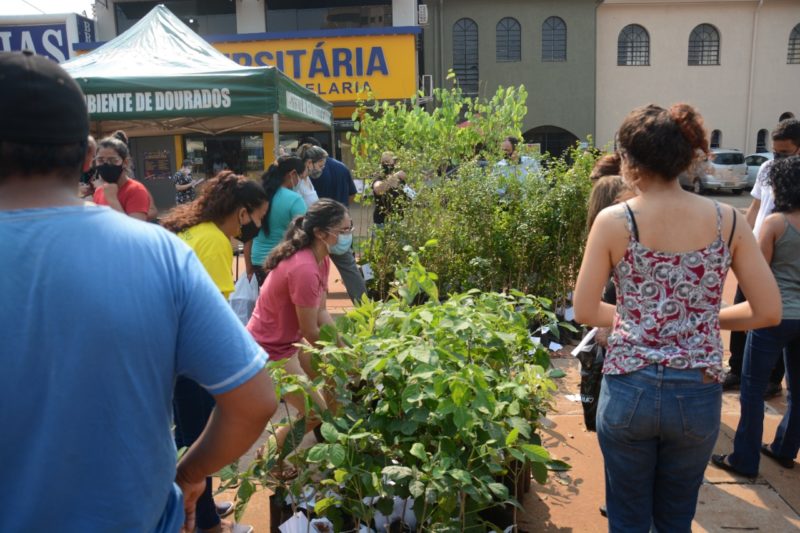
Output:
x,y
339,69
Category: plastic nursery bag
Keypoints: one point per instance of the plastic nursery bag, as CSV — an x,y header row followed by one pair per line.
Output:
x,y
244,296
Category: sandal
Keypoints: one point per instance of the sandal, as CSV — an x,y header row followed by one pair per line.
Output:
x,y
785,462
721,461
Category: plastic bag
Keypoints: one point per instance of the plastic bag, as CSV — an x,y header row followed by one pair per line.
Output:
x,y
591,382
244,296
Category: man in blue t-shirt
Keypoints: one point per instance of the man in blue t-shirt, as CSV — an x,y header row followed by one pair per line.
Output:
x,y
336,183
100,314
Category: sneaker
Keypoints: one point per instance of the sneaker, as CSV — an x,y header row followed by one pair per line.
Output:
x,y
773,390
731,382
224,508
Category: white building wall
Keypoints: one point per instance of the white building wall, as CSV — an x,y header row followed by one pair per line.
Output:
x,y
721,93
404,12
250,16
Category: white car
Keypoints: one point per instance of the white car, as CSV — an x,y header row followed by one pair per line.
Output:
x,y
754,162
725,169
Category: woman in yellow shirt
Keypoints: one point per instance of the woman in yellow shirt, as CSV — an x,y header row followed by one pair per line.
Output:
x,y
230,206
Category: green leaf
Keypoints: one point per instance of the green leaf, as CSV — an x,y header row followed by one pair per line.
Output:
x,y
329,432
512,437
340,474
337,455
408,427
320,506
318,453
536,453
520,424
416,488
396,473
499,490
557,465
539,471
296,435
246,489
460,475
418,451
556,373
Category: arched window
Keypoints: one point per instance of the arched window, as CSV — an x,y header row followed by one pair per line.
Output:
x,y
761,141
465,54
554,40
716,139
704,45
509,41
633,46
793,56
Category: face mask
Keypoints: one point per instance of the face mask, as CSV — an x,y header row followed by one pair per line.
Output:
x,y
388,169
110,173
248,232
342,245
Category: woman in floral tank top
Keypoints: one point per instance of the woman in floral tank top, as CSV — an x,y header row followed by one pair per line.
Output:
x,y
669,252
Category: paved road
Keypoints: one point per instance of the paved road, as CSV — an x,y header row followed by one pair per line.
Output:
x,y
742,201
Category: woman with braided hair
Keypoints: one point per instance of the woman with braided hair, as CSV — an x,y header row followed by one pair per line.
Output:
x,y
230,206
291,306
669,252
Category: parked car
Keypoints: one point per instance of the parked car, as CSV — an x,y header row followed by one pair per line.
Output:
x,y
725,169
754,162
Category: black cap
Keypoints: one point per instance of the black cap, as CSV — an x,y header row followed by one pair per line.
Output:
x,y
39,102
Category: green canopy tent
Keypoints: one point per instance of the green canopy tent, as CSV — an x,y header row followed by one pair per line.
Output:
x,y
161,78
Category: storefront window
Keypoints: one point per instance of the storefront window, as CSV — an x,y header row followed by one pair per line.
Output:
x,y
205,17
295,16
243,154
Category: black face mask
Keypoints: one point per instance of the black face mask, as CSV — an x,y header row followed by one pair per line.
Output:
x,y
110,173
248,232
388,169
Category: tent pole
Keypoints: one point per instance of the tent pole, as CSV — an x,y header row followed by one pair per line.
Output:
x,y
276,134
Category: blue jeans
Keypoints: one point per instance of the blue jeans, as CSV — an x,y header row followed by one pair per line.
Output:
x,y
657,428
762,351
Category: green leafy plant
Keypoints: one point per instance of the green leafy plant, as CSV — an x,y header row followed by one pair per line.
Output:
x,y
437,403
494,233
427,142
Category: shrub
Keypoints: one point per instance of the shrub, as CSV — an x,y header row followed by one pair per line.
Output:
x,y
528,237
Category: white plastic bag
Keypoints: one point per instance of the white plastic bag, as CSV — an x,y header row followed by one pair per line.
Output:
x,y
244,296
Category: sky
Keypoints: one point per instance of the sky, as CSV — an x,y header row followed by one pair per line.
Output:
x,y
29,7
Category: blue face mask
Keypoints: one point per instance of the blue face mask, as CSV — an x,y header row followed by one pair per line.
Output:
x,y
342,244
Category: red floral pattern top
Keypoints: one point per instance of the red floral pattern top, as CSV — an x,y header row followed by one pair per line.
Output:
x,y
668,306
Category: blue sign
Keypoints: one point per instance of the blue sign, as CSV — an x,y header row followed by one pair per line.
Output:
x,y
49,40
85,29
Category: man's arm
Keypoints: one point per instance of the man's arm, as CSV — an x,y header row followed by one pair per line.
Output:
x,y
237,421
752,212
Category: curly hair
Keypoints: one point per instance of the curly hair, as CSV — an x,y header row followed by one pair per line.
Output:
x,y
324,215
223,195
784,177
663,141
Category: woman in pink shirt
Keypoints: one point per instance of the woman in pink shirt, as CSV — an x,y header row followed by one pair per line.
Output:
x,y
291,304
